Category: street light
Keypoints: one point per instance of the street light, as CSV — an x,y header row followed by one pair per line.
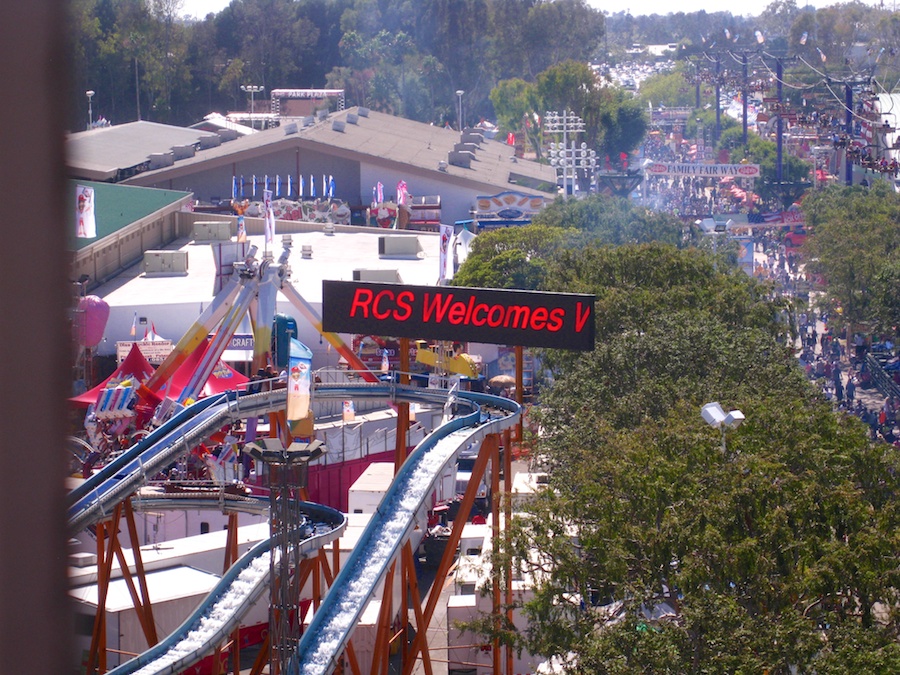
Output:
x,y
252,89
90,94
717,418
459,95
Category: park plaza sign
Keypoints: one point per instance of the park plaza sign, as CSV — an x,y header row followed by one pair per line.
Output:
x,y
703,170
505,317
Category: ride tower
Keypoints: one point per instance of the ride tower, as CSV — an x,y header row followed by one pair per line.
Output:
x,y
288,526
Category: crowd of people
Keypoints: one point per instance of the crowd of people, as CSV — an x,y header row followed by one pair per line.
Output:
x,y
842,374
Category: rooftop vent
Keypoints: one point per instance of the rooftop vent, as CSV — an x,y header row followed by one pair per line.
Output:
x,y
308,121
378,276
462,158
182,151
207,142
352,118
159,160
290,128
338,125
398,246
227,134
165,263
363,112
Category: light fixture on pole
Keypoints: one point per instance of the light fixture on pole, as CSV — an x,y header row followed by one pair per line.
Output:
x,y
90,95
562,157
459,95
717,418
252,89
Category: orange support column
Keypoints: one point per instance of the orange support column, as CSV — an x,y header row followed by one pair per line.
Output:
x,y
520,393
488,448
495,542
231,555
382,651
507,518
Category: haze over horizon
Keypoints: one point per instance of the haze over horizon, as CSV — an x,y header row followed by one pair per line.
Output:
x,y
200,8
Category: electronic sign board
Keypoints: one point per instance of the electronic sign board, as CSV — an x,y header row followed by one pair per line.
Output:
x,y
505,317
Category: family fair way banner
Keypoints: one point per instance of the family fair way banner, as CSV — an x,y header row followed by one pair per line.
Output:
x,y
703,170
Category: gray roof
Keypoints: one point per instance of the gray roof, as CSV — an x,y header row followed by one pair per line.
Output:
x,y
377,138
101,154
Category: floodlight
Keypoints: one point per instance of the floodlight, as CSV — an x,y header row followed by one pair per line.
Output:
x,y
713,414
733,419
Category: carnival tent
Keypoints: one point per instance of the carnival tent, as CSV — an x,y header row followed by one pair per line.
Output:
x,y
223,377
134,367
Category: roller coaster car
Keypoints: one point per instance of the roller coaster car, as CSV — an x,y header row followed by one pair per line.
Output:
x,y
431,355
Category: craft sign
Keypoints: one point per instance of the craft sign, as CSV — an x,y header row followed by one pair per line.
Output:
x,y
505,317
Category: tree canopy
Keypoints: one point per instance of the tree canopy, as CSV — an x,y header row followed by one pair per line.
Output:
x,y
854,244
661,547
755,551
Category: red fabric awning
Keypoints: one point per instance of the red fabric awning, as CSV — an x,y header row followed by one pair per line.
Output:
x,y
135,367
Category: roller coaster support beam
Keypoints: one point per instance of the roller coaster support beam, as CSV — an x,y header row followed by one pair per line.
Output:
x,y
507,519
140,597
490,442
495,543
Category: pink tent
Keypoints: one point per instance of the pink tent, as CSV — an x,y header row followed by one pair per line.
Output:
x,y
135,367
223,377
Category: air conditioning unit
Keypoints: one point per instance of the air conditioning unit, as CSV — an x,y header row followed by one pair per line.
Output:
x,y
207,142
398,246
160,160
182,151
377,276
206,231
165,263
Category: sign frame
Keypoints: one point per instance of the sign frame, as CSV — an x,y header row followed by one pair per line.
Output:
x,y
460,313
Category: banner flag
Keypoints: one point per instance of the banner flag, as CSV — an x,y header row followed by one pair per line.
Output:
x,y
269,216
380,192
299,382
85,223
446,235
134,325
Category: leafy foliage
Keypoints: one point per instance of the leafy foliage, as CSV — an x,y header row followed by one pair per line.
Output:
x,y
654,550
855,245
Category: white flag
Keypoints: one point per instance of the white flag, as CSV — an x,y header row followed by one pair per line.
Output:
x,y
446,236
270,216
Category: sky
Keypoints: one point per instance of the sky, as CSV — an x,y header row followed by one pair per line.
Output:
x,y
200,8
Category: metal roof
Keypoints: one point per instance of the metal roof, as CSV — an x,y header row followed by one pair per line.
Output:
x,y
100,154
117,206
379,139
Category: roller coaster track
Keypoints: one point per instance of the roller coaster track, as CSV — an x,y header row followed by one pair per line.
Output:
x,y
465,423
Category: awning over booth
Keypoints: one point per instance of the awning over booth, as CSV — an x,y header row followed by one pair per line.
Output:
x,y
135,366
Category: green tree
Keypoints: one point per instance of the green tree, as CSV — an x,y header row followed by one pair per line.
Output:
x,y
512,257
672,90
611,220
750,556
855,245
